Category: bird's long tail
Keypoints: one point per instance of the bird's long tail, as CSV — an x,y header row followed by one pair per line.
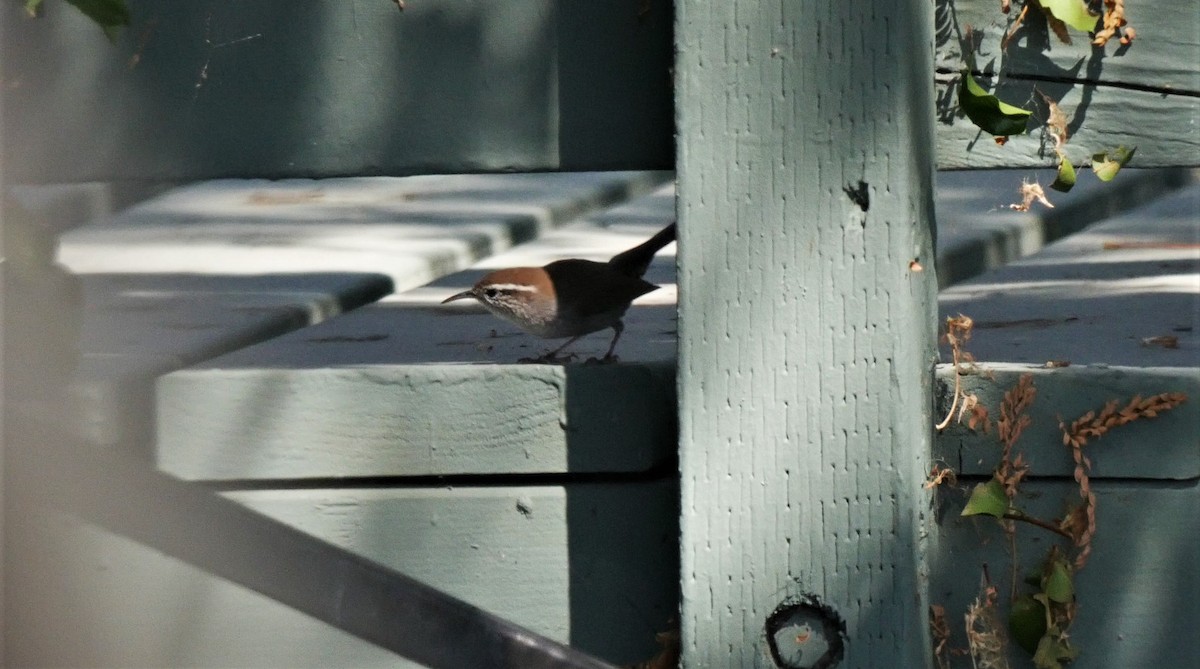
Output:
x,y
635,261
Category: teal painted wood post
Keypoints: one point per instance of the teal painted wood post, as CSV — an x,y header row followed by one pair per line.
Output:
x,y
806,326
3,408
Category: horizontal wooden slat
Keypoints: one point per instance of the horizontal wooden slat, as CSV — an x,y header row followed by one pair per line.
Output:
x,y
1162,56
405,387
337,87
411,229
1090,306
1098,297
1165,447
372,419
1160,126
116,565
592,565
1136,596
273,88
211,267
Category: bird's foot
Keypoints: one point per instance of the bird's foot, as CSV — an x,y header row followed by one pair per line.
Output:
x,y
550,358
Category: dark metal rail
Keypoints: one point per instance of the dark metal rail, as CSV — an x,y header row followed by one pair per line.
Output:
x,y
126,495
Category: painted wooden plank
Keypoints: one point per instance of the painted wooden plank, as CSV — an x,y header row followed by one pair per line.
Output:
x,y
412,229
95,526
195,316
407,387
1163,55
1161,126
977,230
137,326
1144,95
1092,300
5,407
592,565
192,274
588,565
413,420
805,330
340,87
1097,297
1136,596
1167,447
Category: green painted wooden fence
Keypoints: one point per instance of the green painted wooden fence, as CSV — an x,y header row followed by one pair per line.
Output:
x,y
356,87
806,325
805,136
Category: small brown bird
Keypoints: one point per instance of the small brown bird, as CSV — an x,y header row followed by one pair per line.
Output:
x,y
570,298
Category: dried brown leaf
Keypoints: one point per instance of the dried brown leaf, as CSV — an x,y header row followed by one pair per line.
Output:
x,y
1030,193
1057,27
1165,341
1012,29
1114,21
1056,123
1092,424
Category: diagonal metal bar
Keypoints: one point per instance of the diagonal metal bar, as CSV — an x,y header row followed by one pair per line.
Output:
x,y
127,496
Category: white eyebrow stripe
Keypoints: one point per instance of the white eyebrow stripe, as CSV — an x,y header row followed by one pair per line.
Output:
x,y
516,287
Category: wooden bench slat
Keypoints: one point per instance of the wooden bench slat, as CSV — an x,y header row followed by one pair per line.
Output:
x,y
402,388
1142,564
1092,298
209,268
205,89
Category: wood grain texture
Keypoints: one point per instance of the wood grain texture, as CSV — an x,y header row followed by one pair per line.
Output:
x,y
805,337
1162,56
4,409
1098,297
586,564
336,87
1161,126
583,564
409,387
1161,448
1145,95
413,420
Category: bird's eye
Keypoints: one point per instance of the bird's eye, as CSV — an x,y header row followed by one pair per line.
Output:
x,y
491,292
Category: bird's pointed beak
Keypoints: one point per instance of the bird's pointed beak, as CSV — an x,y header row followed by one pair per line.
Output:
x,y
460,296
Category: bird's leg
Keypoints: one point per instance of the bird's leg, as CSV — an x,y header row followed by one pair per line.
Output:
x,y
552,356
618,328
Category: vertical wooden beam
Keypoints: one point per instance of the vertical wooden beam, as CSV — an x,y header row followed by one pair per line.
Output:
x,y
3,408
807,328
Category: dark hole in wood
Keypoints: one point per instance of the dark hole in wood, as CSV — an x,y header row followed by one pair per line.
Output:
x,y
859,194
804,633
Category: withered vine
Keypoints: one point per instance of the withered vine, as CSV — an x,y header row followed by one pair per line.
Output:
x,y
1038,617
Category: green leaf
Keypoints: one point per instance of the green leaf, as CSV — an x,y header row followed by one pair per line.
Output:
x,y
1106,164
1052,652
32,7
1065,180
987,499
1027,623
110,15
1071,12
987,111
1058,586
